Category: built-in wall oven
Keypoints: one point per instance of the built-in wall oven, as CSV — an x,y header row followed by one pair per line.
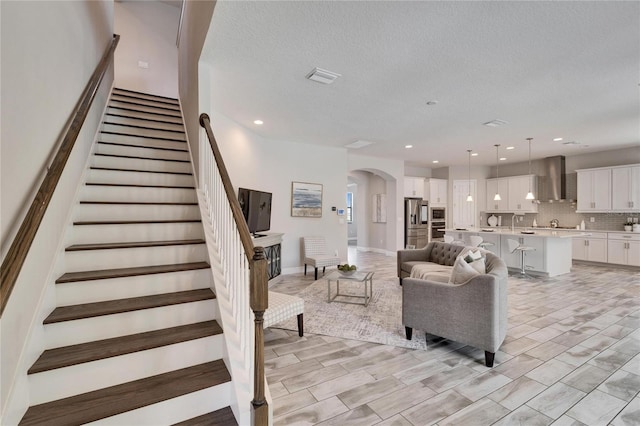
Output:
x,y
438,223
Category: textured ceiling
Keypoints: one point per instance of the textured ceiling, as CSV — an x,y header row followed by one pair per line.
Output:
x,y
550,69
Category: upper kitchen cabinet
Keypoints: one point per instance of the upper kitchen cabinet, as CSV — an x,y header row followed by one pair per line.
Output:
x,y
519,186
436,192
497,186
625,194
414,187
594,190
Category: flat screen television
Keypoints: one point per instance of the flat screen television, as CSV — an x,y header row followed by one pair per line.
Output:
x,y
256,208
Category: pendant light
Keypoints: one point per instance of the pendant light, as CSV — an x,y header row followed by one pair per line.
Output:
x,y
497,196
530,195
469,197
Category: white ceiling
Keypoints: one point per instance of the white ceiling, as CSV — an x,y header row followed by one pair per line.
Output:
x,y
550,69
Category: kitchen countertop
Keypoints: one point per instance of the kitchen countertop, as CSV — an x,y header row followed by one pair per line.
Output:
x,y
539,232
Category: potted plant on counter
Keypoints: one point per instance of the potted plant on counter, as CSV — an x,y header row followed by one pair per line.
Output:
x,y
628,226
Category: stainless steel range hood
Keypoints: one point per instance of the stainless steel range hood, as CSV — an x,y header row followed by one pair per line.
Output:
x,y
554,181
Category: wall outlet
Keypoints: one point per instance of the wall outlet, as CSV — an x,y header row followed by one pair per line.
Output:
x,y
143,64
628,219
592,219
635,220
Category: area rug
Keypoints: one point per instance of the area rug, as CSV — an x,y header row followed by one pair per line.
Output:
x,y
380,322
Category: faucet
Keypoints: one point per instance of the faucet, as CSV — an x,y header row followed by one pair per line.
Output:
x,y
513,227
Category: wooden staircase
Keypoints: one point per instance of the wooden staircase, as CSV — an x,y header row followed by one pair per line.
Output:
x,y
134,338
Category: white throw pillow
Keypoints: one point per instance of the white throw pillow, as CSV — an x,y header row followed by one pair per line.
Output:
x,y
479,265
462,271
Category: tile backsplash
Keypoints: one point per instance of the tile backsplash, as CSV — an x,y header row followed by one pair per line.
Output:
x,y
566,215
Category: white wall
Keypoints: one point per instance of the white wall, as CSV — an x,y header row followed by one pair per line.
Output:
x,y
352,228
148,31
49,51
266,165
195,25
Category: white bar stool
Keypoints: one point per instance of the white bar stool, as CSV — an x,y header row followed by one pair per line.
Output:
x,y
477,241
514,245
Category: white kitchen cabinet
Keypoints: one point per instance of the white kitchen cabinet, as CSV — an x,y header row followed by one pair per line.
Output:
x,y
414,187
500,186
592,248
624,249
594,190
625,184
436,192
518,187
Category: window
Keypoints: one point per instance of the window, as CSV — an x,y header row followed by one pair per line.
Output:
x,y
349,207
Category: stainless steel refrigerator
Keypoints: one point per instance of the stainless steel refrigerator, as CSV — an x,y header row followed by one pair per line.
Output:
x,y
416,222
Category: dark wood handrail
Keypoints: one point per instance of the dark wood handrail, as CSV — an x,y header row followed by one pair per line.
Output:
x,y
258,282
243,229
12,263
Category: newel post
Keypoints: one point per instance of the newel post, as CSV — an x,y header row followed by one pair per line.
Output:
x,y
258,282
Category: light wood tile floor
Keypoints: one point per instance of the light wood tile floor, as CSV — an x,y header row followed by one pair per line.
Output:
x,y
571,357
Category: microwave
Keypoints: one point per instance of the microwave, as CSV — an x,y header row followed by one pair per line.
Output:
x,y
438,213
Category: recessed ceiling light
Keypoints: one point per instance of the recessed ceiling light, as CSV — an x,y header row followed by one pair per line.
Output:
x,y
258,122
431,103
511,147
475,154
435,161
503,158
557,139
408,146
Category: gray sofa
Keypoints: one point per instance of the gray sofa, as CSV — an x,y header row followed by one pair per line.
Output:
x,y
473,313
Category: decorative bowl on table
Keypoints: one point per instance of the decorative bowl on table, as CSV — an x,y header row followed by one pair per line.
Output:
x,y
347,270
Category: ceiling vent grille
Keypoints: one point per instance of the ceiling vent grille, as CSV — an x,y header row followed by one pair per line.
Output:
x,y
323,76
358,144
495,123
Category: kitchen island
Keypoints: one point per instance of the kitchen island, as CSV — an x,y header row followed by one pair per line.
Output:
x,y
552,254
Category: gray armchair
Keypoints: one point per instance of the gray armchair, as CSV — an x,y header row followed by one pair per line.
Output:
x,y
474,313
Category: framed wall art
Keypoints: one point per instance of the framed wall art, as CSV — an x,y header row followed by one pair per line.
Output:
x,y
306,199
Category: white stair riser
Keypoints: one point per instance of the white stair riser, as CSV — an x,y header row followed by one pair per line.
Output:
x,y
142,108
150,133
161,154
174,410
86,234
147,102
84,212
105,327
137,140
140,164
97,260
137,114
137,178
114,193
133,121
151,97
78,292
87,377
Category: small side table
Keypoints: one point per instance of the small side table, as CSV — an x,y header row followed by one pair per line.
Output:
x,y
362,277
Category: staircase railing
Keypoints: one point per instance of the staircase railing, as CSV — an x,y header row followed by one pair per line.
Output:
x,y
243,264
13,261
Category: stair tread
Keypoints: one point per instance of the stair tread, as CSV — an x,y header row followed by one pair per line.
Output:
x,y
159,138
109,307
105,246
137,157
137,185
92,406
101,349
137,126
113,169
167,107
161,101
149,112
143,93
143,203
129,272
112,114
221,417
131,145
133,222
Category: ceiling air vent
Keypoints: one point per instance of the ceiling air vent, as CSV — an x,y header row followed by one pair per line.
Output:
x,y
495,123
358,144
322,76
